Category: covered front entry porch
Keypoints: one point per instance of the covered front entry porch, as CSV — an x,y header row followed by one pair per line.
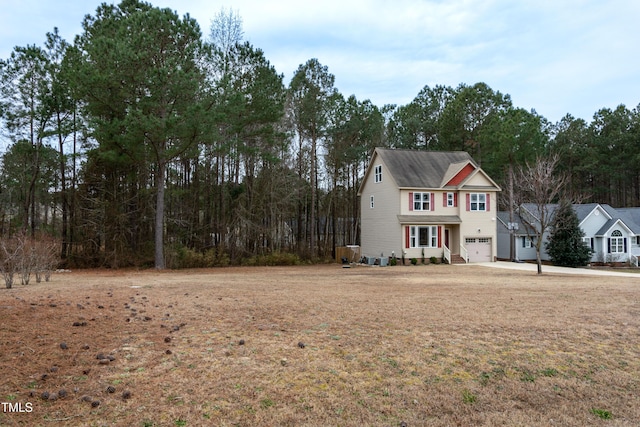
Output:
x,y
448,243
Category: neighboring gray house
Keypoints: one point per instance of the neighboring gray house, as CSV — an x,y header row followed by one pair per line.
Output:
x,y
612,234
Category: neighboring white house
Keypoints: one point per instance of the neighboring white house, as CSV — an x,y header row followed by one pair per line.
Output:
x,y
428,203
612,234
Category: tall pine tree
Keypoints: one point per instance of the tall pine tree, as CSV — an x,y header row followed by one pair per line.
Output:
x,y
566,247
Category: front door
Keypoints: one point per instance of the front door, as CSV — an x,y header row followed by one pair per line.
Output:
x,y
446,238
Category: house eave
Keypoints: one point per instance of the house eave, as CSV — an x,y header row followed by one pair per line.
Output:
x,y
480,188
429,219
606,229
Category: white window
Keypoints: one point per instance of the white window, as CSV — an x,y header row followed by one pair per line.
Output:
x,y
378,173
616,242
371,200
526,242
588,241
478,202
423,237
451,200
421,202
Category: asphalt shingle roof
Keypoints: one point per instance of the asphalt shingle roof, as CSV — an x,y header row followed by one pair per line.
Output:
x,y
629,216
421,169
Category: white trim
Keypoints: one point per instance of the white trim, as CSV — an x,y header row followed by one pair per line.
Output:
x,y
451,199
414,236
377,172
478,202
419,201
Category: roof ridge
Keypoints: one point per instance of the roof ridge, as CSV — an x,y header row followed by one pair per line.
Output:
x,y
423,151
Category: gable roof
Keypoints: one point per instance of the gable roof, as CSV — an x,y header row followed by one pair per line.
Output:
x,y
604,230
504,220
584,210
631,217
426,169
628,217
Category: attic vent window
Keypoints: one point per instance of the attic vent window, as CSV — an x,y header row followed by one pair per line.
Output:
x,y
378,173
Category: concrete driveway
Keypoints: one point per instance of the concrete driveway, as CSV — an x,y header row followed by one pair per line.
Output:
x,y
553,269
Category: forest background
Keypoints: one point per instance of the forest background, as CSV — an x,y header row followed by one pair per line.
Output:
x,y
146,143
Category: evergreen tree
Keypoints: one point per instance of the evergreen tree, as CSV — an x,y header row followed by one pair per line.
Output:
x,y
139,75
566,247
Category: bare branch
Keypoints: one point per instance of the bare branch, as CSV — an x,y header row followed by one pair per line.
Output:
x,y
538,186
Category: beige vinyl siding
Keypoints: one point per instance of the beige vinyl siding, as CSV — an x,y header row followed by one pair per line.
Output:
x,y
438,209
380,230
479,224
479,180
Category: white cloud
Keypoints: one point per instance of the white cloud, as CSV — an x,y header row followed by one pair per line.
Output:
x,y
571,56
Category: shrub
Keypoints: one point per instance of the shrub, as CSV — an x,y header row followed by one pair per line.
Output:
x,y
182,257
414,261
433,260
273,259
26,255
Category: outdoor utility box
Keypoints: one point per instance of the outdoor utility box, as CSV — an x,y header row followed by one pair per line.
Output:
x,y
384,261
371,260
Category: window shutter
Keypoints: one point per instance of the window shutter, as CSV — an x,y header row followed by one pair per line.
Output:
x,y
488,200
455,200
406,235
524,242
439,236
444,200
609,245
432,201
625,245
468,202
410,201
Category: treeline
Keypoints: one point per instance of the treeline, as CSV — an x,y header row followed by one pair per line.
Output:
x,y
145,143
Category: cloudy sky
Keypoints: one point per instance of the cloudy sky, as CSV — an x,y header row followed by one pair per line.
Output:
x,y
554,56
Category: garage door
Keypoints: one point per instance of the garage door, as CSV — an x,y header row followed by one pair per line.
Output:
x,y
479,249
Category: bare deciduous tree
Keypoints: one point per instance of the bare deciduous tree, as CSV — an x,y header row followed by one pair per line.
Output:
x,y
538,185
9,259
27,255
226,31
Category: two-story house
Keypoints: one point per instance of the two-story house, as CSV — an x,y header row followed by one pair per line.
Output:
x,y
428,203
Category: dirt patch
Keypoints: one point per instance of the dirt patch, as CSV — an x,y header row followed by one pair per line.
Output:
x,y
424,345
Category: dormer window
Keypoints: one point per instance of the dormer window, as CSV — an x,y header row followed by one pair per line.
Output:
x,y
378,173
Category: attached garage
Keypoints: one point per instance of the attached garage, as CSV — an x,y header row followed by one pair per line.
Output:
x,y
479,249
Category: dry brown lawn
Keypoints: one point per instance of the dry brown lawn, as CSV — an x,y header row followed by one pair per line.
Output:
x,y
430,345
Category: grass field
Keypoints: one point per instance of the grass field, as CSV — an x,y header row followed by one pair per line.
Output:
x,y
432,345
